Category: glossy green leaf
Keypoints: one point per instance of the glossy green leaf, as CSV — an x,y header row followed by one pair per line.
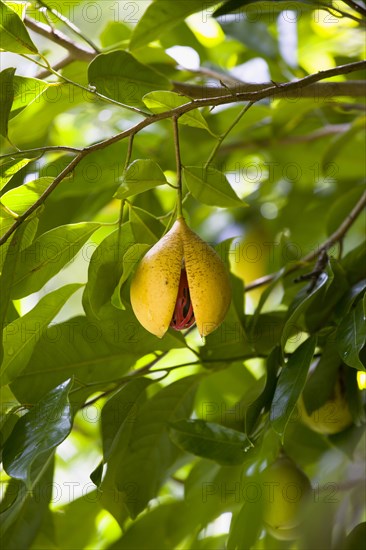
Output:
x,y
141,175
26,91
120,76
150,453
105,269
145,227
356,537
121,409
47,255
9,168
7,276
160,102
13,34
354,263
76,347
320,385
130,259
161,16
210,187
25,508
6,98
290,385
351,336
19,7
38,432
209,440
21,198
21,336
29,234
299,305
264,400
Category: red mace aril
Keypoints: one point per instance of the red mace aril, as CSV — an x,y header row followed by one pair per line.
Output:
x,y
183,316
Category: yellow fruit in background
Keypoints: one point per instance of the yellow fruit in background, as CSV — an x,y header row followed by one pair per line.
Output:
x,y
181,280
285,489
332,417
284,534
249,257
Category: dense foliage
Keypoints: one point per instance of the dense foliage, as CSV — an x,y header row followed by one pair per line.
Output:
x,y
110,436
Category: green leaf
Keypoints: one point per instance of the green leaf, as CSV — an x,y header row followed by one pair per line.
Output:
x,y
161,16
210,187
209,440
105,269
290,385
14,36
75,524
150,452
31,230
130,259
19,7
320,385
47,255
145,227
7,276
38,432
21,336
140,176
120,76
159,102
120,410
341,140
77,347
26,91
22,520
9,168
264,400
354,263
167,525
246,526
21,198
299,305
6,98
351,336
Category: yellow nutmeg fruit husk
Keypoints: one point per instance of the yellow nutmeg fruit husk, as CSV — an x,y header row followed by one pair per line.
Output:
x,y
181,280
286,490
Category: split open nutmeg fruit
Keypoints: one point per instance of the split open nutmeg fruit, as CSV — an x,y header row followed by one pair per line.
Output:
x,y
180,281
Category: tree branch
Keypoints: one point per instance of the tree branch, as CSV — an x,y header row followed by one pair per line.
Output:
x,y
187,107
357,7
352,88
335,237
78,52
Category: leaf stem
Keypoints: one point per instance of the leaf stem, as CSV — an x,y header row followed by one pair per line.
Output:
x,y
70,25
225,134
178,166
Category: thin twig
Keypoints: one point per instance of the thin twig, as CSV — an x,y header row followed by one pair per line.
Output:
x,y
70,25
42,150
178,166
357,7
226,133
337,236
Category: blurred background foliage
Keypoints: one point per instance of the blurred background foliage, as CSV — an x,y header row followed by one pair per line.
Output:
x,y
298,163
